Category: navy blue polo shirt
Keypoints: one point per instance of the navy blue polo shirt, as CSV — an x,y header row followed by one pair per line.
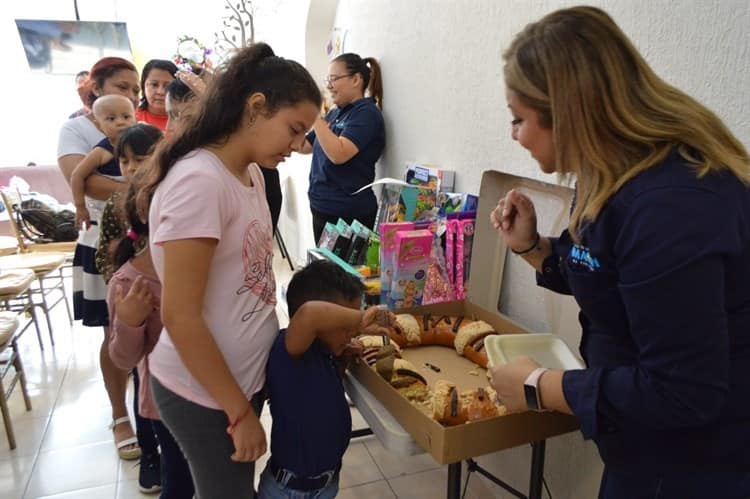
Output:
x,y
331,185
312,424
662,277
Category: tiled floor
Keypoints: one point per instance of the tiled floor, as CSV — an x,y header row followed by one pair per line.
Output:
x,y
65,449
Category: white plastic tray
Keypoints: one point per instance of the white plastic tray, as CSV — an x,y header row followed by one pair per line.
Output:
x,y
548,350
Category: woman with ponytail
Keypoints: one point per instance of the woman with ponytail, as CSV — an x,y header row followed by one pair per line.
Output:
x,y
211,245
346,144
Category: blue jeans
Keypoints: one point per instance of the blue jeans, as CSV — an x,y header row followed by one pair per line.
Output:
x,y
269,488
643,484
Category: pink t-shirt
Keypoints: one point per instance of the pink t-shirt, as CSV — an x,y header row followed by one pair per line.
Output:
x,y
200,198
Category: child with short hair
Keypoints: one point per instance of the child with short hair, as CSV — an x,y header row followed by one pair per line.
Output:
x,y
112,114
311,418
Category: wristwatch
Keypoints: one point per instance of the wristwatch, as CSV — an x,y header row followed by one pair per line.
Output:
x,y
531,389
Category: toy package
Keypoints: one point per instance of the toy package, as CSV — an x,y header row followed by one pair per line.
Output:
x,y
328,237
358,243
343,240
464,241
411,259
387,248
454,202
437,286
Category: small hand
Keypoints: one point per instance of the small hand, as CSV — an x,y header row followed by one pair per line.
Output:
x,y
508,381
249,439
352,352
83,219
377,320
515,218
192,80
136,306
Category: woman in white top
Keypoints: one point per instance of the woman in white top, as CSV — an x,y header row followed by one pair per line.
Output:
x,y
78,136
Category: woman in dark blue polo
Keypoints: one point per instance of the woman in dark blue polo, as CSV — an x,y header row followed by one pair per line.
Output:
x,y
346,144
657,255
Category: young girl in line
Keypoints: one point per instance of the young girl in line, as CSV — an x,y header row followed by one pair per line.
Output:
x,y
211,244
133,298
134,147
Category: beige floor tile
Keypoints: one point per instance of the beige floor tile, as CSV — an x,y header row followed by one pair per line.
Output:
x,y
103,492
42,403
129,490
78,426
29,433
426,485
393,465
358,467
374,490
127,470
73,468
85,395
14,475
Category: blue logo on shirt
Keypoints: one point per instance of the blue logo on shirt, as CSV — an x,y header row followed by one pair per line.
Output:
x,y
581,256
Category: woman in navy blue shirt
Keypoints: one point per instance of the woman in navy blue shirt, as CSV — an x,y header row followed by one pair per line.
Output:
x,y
657,255
346,144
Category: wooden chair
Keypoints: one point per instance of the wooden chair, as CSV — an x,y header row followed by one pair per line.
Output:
x,y
10,357
47,268
15,296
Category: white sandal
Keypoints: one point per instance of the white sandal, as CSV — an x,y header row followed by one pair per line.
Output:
x,y
126,454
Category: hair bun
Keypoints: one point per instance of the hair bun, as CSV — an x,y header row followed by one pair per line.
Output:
x,y
262,50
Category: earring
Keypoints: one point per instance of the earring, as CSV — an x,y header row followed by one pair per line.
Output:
x,y
251,120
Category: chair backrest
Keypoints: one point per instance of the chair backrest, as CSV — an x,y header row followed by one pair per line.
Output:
x,y
10,207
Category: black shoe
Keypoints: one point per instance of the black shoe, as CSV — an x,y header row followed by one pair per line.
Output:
x,y
149,476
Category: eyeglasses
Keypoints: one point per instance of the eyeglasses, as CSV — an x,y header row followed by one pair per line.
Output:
x,y
331,78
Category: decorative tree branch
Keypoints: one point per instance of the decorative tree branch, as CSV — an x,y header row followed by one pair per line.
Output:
x,y
242,16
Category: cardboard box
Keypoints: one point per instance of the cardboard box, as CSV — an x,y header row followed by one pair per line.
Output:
x,y
456,443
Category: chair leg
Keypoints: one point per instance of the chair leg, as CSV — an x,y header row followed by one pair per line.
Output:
x,y
32,310
18,365
43,304
6,417
65,297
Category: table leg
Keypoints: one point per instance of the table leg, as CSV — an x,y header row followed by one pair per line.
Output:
x,y
537,469
454,481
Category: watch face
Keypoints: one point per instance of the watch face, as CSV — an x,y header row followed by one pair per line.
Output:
x,y
530,393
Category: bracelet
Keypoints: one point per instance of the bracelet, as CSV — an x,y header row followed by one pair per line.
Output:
x,y
232,424
532,248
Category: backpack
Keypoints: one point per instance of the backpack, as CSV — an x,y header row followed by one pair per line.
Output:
x,y
39,222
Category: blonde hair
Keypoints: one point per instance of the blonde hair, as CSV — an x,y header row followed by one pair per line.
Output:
x,y
612,117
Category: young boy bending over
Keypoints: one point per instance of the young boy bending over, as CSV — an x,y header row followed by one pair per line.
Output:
x,y
311,419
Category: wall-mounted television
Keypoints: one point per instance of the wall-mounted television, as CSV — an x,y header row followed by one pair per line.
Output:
x,y
67,47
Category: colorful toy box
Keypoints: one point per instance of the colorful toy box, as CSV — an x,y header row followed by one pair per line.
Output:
x,y
410,261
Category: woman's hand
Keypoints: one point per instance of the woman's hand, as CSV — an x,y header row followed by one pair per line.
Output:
x,y
133,309
249,439
515,218
508,379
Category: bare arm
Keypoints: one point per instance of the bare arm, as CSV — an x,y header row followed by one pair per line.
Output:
x,y
97,186
186,267
83,170
338,149
316,317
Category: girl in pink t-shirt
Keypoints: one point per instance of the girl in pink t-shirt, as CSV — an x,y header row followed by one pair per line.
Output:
x,y
211,247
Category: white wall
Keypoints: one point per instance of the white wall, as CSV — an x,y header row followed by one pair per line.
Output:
x,y
444,103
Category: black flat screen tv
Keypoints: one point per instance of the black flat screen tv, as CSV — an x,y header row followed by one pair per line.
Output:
x,y
67,47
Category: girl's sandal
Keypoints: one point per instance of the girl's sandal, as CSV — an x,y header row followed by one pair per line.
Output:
x,y
127,448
